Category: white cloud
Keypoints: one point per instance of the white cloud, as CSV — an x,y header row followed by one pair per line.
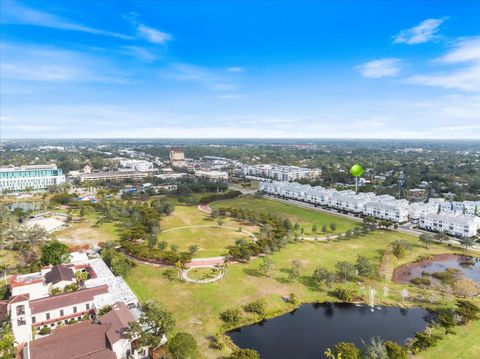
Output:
x,y
153,35
141,53
37,63
386,67
204,76
235,69
465,50
426,31
466,79
466,53
13,13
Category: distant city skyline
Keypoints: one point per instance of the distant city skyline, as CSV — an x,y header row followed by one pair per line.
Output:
x,y
250,69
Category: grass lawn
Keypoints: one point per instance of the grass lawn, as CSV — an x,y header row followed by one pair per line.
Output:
x,y
82,233
202,273
463,345
197,307
211,241
304,217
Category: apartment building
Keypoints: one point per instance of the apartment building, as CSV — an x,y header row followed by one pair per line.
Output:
x,y
33,307
458,225
137,165
280,173
212,175
112,176
32,177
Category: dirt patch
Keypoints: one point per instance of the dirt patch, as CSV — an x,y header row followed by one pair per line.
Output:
x,y
402,274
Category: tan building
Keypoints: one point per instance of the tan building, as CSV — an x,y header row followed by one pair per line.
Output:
x,y
176,155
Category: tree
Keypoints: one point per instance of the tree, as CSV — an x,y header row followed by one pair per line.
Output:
x,y
467,311
347,350
314,228
345,270
183,346
374,349
364,267
399,248
162,245
324,229
427,239
267,266
467,242
120,265
258,306
54,252
81,276
344,294
7,342
295,270
153,323
395,351
333,227
192,249
322,275
174,248
214,213
152,241
230,316
245,354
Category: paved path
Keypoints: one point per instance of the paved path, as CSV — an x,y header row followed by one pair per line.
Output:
x,y
187,279
254,237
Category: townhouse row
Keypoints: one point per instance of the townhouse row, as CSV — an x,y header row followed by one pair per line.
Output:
x,y
434,215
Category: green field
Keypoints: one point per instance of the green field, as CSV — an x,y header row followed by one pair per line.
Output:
x,y
304,217
197,307
85,233
463,345
212,241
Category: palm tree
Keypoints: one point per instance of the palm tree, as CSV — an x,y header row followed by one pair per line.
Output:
x,y
81,277
467,242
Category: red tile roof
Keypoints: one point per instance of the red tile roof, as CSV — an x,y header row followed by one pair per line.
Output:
x,y
118,319
59,273
66,299
81,340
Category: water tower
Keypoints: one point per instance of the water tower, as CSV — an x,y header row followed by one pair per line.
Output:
x,y
356,171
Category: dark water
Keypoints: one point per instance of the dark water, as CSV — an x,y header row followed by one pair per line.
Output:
x,y
310,330
440,265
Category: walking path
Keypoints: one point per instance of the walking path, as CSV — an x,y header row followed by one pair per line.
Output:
x,y
187,279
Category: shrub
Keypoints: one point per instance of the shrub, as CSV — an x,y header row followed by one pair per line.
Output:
x,y
217,342
245,354
230,316
395,351
220,197
257,306
467,311
292,299
344,294
423,341
347,350
421,281
44,331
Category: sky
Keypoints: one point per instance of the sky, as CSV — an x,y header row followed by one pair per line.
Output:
x,y
240,69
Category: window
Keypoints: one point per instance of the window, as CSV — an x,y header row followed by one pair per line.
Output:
x,y
34,320
87,306
61,312
74,309
21,322
20,309
48,316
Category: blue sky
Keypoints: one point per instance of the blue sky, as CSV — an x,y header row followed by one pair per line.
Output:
x,y
312,69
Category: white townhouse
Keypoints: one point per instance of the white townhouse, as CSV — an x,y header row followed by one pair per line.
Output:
x,y
392,210
415,210
458,207
458,225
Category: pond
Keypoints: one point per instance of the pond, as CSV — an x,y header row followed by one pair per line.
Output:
x,y
309,331
464,265
25,206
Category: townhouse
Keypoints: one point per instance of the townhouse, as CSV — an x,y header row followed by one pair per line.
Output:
x,y
458,225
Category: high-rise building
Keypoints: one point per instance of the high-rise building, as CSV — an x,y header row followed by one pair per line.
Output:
x,y
32,177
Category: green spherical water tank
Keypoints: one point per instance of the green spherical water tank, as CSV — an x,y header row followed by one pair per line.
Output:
x,y
356,170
